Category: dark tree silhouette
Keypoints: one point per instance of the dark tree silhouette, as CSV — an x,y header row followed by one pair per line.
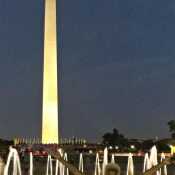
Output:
x,y
171,125
114,138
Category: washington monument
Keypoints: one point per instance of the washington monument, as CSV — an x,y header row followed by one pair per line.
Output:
x,y
50,96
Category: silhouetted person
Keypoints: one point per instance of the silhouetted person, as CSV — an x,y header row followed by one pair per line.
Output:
x,y
112,169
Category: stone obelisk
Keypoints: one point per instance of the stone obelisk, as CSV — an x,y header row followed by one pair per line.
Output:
x,y
50,96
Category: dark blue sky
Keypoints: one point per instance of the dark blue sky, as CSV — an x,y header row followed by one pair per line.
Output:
x,y
117,67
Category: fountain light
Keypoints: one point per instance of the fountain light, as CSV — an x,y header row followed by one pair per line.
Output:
x,y
116,147
110,147
132,146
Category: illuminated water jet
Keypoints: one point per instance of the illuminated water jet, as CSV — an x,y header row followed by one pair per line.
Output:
x,y
130,166
13,155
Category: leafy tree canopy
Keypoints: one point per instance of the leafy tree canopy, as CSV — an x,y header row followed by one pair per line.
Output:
x,y
114,138
171,125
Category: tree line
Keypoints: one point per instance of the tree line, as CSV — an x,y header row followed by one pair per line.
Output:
x,y
116,139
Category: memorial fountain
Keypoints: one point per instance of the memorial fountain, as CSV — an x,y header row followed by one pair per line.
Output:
x,y
56,167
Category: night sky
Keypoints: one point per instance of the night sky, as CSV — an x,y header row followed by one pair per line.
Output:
x,y
116,62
